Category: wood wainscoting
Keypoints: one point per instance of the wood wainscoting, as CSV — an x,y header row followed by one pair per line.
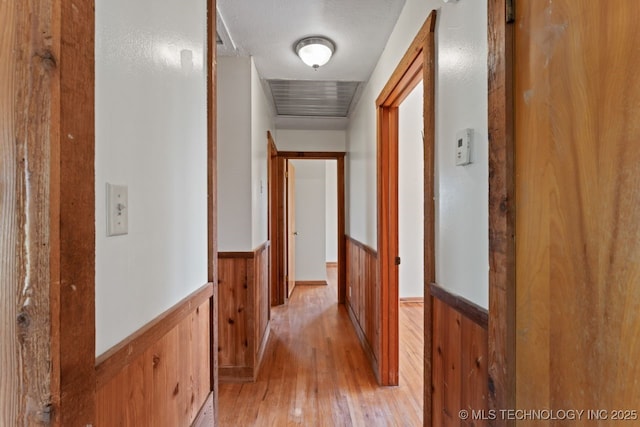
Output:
x,y
160,375
460,359
243,315
363,298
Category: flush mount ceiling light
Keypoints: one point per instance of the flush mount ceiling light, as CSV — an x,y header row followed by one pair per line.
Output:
x,y
315,51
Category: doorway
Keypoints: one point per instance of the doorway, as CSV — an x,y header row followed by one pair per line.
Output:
x,y
417,65
278,230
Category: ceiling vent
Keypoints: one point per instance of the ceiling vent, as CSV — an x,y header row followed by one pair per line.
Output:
x,y
312,98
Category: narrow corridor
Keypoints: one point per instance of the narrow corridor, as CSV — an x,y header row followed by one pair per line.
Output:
x,y
315,372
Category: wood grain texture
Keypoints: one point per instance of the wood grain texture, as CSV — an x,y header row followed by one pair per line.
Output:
x,y
76,198
27,83
244,312
272,186
460,372
501,212
470,310
110,363
363,298
316,374
46,120
212,200
577,197
165,385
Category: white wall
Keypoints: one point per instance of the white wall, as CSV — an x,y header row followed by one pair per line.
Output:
x,y
461,102
234,154
310,219
151,136
261,121
310,140
331,208
411,195
244,117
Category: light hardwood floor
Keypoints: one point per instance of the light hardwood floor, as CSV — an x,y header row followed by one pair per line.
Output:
x,y
315,373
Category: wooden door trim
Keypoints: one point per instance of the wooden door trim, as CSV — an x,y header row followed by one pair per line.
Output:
x,y
48,213
501,212
212,201
275,221
417,64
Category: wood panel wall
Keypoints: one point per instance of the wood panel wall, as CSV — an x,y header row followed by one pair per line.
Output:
x,y
459,360
363,297
159,376
577,187
244,312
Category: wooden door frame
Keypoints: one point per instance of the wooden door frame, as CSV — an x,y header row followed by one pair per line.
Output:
x,y
418,64
212,199
501,363
277,162
48,222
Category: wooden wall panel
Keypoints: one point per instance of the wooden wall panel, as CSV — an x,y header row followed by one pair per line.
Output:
x,y
233,293
577,205
168,381
243,314
460,354
363,297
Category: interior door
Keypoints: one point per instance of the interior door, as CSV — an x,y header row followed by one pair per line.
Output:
x,y
577,120
291,228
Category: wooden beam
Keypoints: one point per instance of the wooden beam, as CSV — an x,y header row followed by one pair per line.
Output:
x,y
212,200
47,245
501,213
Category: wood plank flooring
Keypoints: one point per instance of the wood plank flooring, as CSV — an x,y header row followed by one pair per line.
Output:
x,y
315,373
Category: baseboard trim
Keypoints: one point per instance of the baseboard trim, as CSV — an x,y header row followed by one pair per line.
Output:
x,y
311,283
469,309
364,342
110,363
206,416
262,348
332,265
412,299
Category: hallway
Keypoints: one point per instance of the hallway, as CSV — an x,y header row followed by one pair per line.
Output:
x,y
316,374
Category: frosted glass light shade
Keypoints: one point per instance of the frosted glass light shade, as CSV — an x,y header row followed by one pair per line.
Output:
x,y
315,51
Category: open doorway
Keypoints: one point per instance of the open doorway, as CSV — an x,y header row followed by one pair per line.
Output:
x,y
416,66
311,221
281,233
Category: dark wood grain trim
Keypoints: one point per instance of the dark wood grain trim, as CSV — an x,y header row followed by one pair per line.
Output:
x,y
312,155
206,416
311,283
73,161
212,196
247,255
469,309
362,246
110,363
502,385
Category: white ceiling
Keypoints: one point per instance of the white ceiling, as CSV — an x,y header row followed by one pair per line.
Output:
x,y
269,29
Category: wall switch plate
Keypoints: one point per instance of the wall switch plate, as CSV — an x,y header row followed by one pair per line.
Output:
x,y
117,210
463,147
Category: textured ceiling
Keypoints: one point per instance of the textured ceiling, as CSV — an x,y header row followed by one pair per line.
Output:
x,y
269,29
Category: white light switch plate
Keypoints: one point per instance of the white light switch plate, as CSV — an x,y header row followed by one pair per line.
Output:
x,y
117,210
